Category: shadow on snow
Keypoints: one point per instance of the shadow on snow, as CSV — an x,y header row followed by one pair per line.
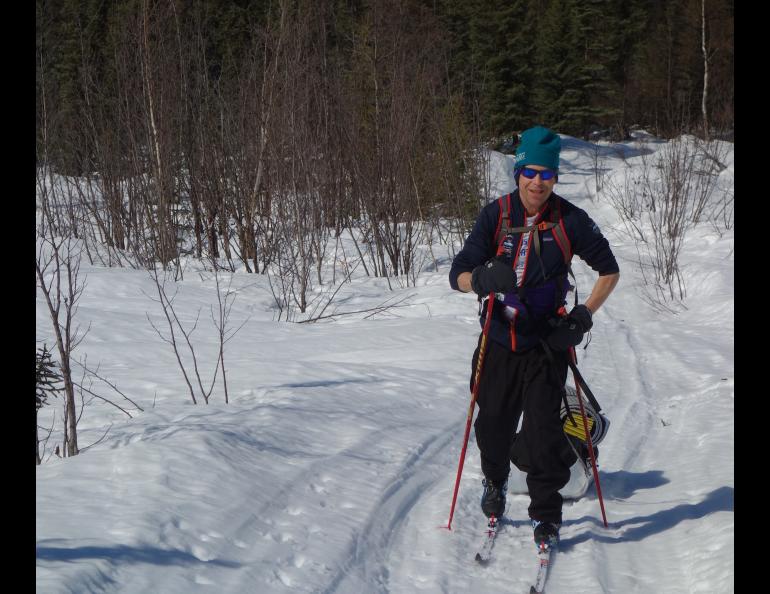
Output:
x,y
623,484
125,554
640,527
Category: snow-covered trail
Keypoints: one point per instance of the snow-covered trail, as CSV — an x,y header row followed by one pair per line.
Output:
x,y
332,468
300,484
339,477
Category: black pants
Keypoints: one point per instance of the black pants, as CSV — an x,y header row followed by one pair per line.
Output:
x,y
515,383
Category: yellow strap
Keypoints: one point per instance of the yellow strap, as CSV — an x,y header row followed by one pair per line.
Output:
x,y
578,431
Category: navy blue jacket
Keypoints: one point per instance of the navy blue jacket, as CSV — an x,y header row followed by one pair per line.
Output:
x,y
520,320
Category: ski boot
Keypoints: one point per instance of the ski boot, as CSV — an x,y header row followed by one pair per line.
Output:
x,y
546,534
493,498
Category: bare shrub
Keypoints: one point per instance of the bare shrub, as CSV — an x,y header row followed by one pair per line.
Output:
x,y
722,216
57,267
660,201
179,331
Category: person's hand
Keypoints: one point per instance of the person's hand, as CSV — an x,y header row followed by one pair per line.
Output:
x,y
582,316
568,332
494,276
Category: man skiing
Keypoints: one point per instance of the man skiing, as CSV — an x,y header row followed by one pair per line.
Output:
x,y
519,250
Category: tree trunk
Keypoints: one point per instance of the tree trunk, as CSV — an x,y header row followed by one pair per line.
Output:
x,y
704,108
37,442
70,419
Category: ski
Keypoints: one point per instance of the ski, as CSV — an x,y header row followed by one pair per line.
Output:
x,y
544,554
485,552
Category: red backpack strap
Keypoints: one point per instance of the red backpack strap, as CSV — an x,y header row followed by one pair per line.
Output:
x,y
503,222
562,239
559,231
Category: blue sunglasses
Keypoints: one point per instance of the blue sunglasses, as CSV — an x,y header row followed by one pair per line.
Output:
x,y
530,173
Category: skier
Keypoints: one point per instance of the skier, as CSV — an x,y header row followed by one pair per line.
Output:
x,y
525,362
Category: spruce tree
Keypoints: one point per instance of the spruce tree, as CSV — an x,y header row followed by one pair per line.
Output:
x,y
594,22
510,70
626,40
491,56
558,85
47,379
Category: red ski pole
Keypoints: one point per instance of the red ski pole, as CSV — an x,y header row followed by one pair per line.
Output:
x,y
474,393
588,438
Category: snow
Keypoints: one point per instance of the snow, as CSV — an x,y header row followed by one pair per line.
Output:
x,y
332,468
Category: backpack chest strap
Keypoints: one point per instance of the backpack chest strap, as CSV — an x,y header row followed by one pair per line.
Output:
x,y
504,228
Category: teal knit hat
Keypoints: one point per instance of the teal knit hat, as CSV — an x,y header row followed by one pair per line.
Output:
x,y
538,146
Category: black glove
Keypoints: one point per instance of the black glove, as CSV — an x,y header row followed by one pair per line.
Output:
x,y
582,316
494,276
568,332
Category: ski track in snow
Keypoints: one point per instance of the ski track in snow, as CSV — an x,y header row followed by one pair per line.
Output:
x,y
369,558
